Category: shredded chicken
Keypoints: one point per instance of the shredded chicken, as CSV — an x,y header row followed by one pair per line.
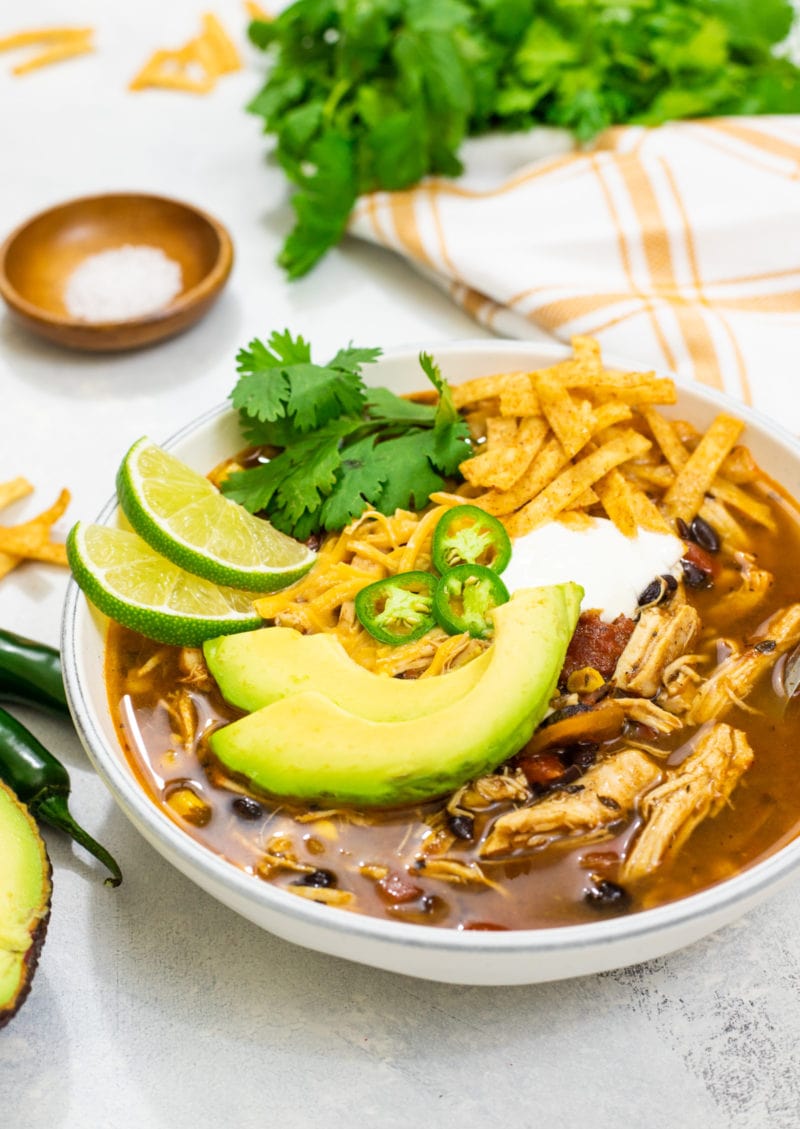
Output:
x,y
608,793
183,715
194,670
660,636
645,712
699,787
487,790
753,587
734,678
458,873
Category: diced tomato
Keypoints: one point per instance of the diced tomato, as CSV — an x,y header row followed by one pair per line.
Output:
x,y
398,888
541,768
596,644
702,559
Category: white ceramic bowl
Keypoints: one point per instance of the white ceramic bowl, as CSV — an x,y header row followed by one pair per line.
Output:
x,y
521,957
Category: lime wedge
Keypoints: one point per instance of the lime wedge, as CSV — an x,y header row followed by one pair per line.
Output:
x,y
132,584
181,515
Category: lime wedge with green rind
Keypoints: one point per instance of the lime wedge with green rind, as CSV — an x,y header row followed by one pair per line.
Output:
x,y
183,516
130,583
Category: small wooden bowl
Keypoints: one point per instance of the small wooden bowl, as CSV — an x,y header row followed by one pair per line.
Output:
x,y
37,259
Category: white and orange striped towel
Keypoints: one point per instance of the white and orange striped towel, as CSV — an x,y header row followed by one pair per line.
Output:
x,y
677,247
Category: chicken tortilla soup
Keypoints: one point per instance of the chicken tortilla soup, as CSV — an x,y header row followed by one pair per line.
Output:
x,y
557,684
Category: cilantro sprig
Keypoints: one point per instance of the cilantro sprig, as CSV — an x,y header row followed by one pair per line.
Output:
x,y
341,446
375,94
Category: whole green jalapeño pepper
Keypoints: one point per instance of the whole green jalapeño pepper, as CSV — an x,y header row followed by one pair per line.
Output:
x,y
42,784
468,535
30,673
398,609
464,598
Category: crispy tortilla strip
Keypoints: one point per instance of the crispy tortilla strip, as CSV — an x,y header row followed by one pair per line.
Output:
x,y
31,539
255,11
571,483
13,490
571,420
486,388
541,470
664,434
56,54
701,786
510,449
628,506
43,35
693,481
657,390
736,676
191,68
661,477
222,45
719,518
518,396
608,794
609,414
745,503
501,431
740,467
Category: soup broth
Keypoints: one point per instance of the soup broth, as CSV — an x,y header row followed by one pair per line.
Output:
x,y
423,864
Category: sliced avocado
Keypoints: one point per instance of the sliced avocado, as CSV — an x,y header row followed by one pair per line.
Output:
x,y
308,747
259,667
24,901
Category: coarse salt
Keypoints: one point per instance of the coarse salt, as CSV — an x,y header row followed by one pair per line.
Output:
x,y
123,283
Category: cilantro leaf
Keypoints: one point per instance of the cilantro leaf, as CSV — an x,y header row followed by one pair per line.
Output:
x,y
344,446
279,380
359,484
298,479
410,477
388,408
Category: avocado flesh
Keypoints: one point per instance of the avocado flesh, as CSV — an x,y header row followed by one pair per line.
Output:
x,y
24,901
255,668
305,746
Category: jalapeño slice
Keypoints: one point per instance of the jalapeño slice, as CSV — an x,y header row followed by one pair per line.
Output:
x,y
468,535
465,596
398,609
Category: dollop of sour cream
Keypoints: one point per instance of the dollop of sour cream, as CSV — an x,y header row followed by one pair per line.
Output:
x,y
612,569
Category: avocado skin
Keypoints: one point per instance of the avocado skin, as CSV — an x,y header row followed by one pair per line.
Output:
x,y
308,748
40,911
256,668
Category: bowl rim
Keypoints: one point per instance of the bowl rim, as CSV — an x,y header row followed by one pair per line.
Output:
x,y
208,284
563,939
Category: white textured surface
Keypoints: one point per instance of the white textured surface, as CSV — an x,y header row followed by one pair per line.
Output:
x,y
154,1006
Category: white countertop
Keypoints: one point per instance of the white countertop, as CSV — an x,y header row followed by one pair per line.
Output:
x,y
154,1006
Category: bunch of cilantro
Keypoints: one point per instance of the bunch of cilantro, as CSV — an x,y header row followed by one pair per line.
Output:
x,y
376,94
339,445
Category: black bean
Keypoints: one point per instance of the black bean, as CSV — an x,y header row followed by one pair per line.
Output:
x,y
604,893
462,826
704,535
683,529
247,808
317,878
652,593
765,647
694,576
585,757
658,591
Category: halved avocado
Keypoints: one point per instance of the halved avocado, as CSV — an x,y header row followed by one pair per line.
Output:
x,y
24,901
255,668
308,747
